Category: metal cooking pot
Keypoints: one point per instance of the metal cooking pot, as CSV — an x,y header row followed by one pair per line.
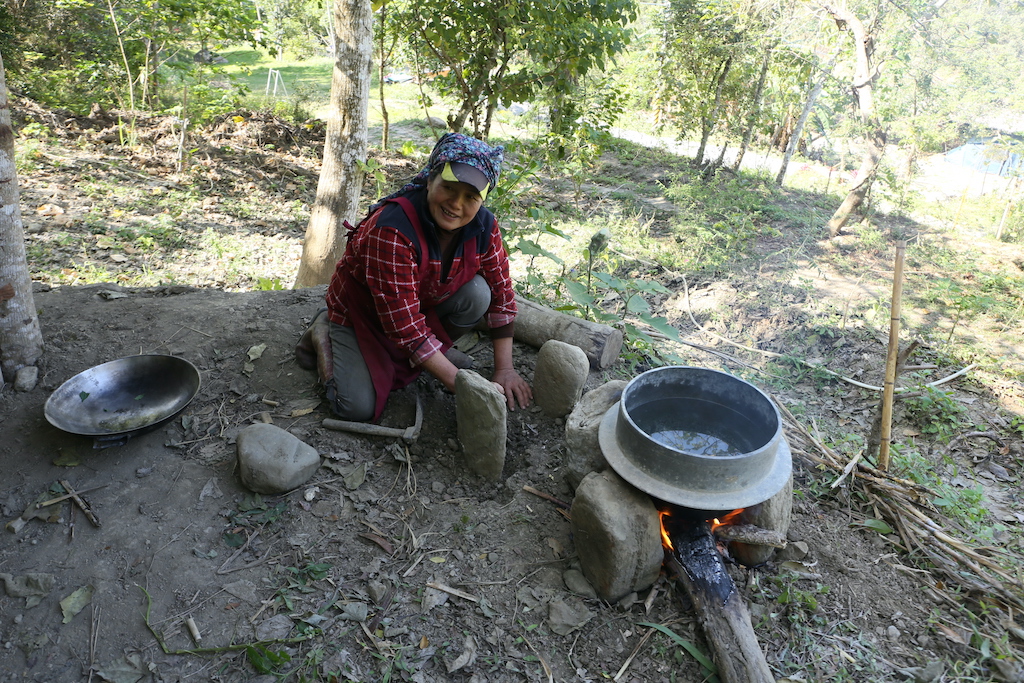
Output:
x,y
115,401
697,437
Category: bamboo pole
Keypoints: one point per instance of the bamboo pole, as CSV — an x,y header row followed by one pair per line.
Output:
x,y
890,361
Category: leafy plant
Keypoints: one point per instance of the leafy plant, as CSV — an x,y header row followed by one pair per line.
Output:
x,y
265,284
374,169
252,512
265,660
934,412
965,505
719,219
299,580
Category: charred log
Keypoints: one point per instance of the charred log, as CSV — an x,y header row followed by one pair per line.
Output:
x,y
720,608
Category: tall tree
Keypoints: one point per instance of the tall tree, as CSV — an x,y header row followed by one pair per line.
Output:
x,y
818,82
21,341
510,49
755,109
341,176
874,135
704,43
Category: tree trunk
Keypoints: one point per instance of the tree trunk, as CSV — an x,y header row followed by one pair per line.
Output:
x,y
711,119
341,179
21,342
536,324
385,127
798,129
755,111
874,134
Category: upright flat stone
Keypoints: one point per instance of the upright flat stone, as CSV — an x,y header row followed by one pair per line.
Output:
x,y
583,448
559,377
270,460
481,413
617,534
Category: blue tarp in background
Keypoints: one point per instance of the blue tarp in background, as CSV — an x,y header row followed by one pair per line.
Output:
x,y
987,156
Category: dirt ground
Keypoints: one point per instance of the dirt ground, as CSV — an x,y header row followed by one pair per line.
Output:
x,y
170,500
392,562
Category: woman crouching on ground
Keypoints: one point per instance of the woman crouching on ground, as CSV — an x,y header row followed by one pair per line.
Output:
x,y
423,268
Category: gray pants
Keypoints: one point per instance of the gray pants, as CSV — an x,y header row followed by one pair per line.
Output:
x,y
351,391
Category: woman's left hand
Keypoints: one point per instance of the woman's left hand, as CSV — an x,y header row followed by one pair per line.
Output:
x,y
515,388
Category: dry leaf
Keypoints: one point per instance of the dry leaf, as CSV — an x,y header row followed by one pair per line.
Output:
x,y
49,210
76,602
256,351
382,542
468,656
951,634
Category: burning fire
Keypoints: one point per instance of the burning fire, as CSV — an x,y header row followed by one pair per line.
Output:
x,y
666,539
728,519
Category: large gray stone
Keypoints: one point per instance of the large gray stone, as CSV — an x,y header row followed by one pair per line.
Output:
x,y
617,533
25,379
559,376
583,450
270,460
481,413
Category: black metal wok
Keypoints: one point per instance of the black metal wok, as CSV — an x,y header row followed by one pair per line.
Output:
x,y
115,401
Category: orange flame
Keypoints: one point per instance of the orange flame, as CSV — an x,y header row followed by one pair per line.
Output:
x,y
665,539
728,519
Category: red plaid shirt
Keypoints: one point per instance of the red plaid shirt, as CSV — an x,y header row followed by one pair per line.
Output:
x,y
383,256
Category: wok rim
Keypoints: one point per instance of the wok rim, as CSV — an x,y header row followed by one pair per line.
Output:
x,y
54,418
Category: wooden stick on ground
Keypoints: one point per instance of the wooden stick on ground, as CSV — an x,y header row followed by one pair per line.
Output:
x,y
728,630
61,499
548,497
80,502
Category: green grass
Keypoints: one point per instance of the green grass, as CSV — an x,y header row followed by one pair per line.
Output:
x,y
300,89
253,68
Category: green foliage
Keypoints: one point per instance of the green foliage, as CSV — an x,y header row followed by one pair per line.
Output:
x,y
965,505
934,412
518,172
710,670
300,580
265,660
75,54
596,294
375,170
960,297
580,129
265,284
252,512
543,44
720,219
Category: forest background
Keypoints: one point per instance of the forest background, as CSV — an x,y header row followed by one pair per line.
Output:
x,y
867,89
560,84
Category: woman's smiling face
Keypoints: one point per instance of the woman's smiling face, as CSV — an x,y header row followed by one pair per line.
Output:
x,y
452,204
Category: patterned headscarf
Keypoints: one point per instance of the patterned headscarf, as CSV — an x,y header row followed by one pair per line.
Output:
x,y
455,147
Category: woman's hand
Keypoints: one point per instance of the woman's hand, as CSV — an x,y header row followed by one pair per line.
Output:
x,y
515,388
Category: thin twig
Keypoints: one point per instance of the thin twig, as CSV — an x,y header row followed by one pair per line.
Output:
x,y
547,497
540,658
633,654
